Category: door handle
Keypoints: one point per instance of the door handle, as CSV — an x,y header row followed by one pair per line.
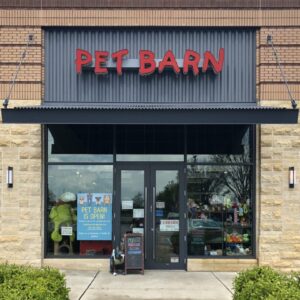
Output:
x,y
153,228
145,221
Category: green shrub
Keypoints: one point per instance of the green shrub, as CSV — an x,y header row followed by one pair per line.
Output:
x,y
25,282
264,283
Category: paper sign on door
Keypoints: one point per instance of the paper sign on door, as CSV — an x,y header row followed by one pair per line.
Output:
x,y
127,204
138,213
169,225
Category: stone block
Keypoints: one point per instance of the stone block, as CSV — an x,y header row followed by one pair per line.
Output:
x,y
22,204
277,227
31,262
296,263
284,141
266,141
19,130
283,130
282,264
277,153
5,142
266,166
266,155
288,254
271,200
19,142
267,189
29,226
266,130
8,239
226,265
268,225
296,131
78,264
278,167
295,143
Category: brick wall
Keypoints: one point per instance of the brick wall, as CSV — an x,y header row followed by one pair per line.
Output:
x,y
12,54
13,41
150,17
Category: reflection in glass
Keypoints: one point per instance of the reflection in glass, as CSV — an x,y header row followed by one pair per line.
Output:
x,y
166,206
218,144
150,157
64,183
219,210
150,143
80,143
132,201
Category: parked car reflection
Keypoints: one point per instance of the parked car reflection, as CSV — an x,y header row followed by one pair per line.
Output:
x,y
204,235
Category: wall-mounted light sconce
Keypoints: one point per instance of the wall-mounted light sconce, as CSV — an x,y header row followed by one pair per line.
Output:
x,y
9,177
292,177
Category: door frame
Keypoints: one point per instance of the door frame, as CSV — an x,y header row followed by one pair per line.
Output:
x,y
117,194
151,264
149,182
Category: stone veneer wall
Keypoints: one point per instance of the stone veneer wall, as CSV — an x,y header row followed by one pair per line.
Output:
x,y
278,207
20,147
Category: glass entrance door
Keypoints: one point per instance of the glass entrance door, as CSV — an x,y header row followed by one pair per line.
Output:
x,y
166,230
151,202
132,209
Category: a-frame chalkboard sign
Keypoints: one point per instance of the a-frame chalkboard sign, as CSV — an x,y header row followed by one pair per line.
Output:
x,y
134,252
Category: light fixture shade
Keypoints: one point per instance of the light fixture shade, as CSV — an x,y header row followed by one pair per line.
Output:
x,y
292,177
9,177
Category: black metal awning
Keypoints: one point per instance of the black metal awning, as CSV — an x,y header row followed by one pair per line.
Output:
x,y
129,113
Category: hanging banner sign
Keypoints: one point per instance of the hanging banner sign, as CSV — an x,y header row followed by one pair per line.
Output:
x,y
94,216
147,64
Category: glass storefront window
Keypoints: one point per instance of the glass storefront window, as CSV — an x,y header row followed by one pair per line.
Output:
x,y
80,166
150,157
80,143
79,210
219,210
218,144
150,143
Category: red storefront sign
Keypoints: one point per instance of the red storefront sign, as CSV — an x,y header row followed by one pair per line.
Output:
x,y
147,63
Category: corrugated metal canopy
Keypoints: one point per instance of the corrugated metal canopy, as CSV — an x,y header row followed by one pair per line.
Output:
x,y
149,114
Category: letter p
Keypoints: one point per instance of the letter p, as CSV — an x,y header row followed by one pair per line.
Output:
x,y
83,58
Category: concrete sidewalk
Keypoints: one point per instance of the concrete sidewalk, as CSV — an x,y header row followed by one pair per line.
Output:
x,y
175,285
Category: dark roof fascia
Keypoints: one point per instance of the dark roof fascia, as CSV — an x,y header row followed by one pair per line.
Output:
x,y
159,116
154,27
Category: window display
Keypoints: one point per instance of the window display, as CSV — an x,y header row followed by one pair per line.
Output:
x,y
219,210
63,218
79,210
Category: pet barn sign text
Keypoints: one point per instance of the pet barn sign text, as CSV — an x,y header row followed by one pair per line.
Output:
x,y
147,64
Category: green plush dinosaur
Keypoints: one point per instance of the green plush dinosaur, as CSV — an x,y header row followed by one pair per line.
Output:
x,y
62,214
